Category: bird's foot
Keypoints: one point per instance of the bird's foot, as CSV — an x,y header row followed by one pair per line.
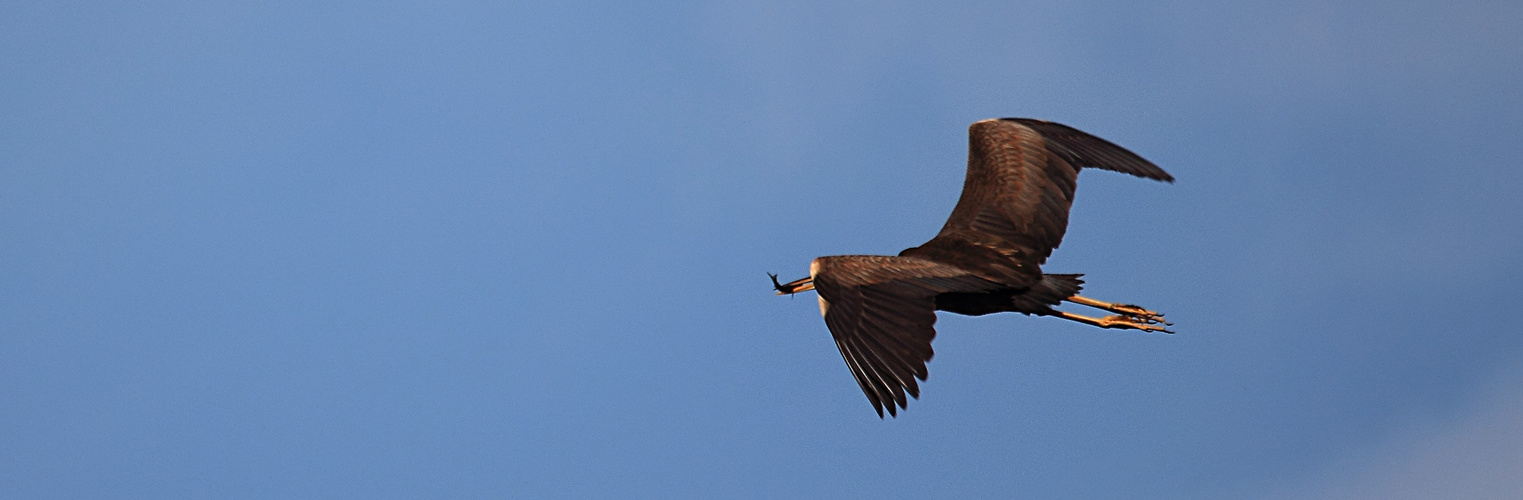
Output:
x,y
1143,316
1135,314
1125,322
1153,323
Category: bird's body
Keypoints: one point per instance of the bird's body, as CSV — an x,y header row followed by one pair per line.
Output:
x,y
987,258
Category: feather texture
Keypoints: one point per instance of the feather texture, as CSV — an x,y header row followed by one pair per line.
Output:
x,y
882,312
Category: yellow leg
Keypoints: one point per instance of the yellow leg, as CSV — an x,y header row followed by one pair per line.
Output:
x,y
1123,322
1112,307
1135,313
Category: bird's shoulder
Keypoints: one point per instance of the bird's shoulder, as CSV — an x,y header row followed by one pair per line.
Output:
x,y
983,255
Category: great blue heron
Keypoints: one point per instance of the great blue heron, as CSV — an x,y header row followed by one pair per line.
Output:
x,y
986,259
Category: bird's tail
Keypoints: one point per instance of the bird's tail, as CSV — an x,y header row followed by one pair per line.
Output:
x,y
1049,292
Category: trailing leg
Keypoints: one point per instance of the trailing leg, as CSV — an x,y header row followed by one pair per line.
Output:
x,y
1134,313
1123,322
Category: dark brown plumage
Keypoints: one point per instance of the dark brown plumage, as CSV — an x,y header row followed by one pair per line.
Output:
x,y
987,258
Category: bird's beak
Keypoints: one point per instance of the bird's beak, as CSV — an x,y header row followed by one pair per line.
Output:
x,y
792,287
797,286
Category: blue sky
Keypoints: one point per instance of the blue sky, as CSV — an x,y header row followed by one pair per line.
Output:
x,y
457,249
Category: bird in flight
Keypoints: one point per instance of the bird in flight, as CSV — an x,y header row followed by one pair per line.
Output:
x,y
1013,212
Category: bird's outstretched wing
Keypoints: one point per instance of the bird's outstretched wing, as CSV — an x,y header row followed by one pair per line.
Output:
x,y
1087,151
1020,184
881,312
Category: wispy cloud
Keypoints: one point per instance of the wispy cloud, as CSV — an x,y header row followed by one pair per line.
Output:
x,y
1476,454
